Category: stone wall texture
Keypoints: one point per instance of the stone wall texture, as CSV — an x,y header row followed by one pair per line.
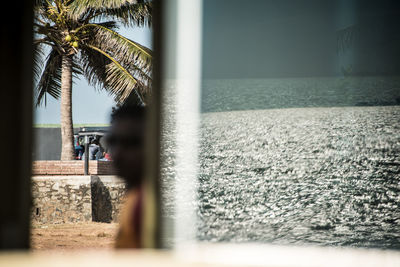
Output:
x,y
61,199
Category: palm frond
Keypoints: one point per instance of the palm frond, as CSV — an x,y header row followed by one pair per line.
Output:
x,y
139,14
121,83
126,12
38,55
93,65
112,25
102,69
120,47
81,6
50,80
41,3
118,80
50,77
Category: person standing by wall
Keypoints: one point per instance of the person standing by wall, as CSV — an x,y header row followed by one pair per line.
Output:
x,y
126,143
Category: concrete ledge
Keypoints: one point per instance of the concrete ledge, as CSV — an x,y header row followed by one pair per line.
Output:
x,y
210,255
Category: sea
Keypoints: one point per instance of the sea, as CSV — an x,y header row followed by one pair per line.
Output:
x,y
299,161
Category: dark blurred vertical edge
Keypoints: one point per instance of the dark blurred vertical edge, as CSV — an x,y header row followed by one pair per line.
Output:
x,y
152,211
16,119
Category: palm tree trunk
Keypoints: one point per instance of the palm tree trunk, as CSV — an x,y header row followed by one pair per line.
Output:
x,y
67,133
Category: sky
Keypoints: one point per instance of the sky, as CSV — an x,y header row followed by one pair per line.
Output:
x,y
89,106
287,38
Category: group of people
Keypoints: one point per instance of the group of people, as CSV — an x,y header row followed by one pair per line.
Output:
x,y
98,149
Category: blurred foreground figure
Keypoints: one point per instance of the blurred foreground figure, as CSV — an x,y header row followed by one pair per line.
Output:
x,y
126,142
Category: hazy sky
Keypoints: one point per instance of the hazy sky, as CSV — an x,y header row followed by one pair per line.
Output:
x,y
291,38
261,38
89,105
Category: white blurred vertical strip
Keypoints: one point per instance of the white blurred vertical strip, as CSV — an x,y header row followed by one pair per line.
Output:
x,y
188,80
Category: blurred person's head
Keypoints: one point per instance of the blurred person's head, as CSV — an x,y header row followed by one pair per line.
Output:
x,y
126,143
95,141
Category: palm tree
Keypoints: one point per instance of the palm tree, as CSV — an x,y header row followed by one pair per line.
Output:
x,y
82,39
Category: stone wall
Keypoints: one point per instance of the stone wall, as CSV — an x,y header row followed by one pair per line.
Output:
x,y
60,199
107,194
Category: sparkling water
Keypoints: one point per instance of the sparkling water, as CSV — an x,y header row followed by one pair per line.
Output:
x,y
311,161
